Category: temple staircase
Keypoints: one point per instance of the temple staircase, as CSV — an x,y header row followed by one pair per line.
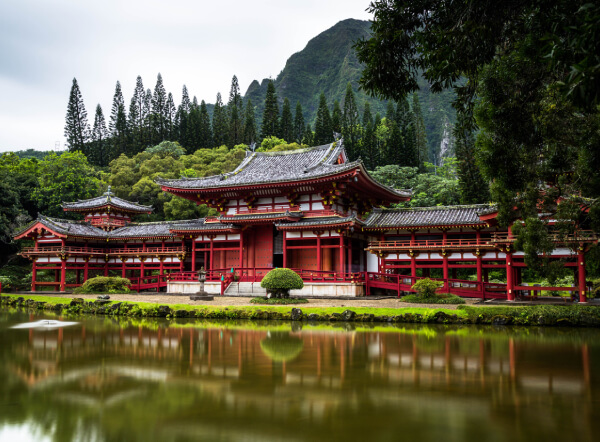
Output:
x,y
245,289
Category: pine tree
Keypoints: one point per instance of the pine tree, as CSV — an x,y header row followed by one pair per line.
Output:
x,y
473,187
250,135
206,136
298,124
270,117
309,136
193,139
286,125
170,118
336,117
351,128
367,146
147,115
395,143
118,123
220,125
420,131
390,112
137,116
159,111
407,154
181,118
77,128
323,127
235,110
98,152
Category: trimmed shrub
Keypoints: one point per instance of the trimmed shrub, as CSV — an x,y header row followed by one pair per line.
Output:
x,y
426,287
279,282
104,284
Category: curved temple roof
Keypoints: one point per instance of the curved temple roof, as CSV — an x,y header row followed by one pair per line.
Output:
x,y
279,167
427,216
106,199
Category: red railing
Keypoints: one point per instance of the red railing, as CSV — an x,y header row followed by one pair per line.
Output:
x,y
109,222
429,243
579,236
92,251
270,209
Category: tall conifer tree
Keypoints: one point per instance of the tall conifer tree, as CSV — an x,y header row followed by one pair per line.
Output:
x,y
309,136
420,131
286,125
159,111
77,128
118,123
298,124
206,136
270,117
219,123
473,187
148,126
98,153
250,135
183,111
351,129
235,111
170,118
323,127
336,117
137,116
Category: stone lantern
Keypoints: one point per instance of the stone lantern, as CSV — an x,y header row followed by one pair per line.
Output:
x,y
201,295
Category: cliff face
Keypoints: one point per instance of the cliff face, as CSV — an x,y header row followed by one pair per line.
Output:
x,y
327,64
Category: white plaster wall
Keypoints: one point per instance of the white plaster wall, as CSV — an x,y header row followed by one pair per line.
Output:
x,y
372,262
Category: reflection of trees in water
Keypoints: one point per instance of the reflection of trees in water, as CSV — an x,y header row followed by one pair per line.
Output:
x,y
388,384
281,347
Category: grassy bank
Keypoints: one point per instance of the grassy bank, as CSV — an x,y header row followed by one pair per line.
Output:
x,y
574,315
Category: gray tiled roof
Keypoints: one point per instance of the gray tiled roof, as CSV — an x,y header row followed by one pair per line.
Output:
x,y
107,199
426,216
132,230
269,167
321,221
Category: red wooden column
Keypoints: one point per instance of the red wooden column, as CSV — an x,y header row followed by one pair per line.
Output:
x,y
63,274
581,275
193,254
241,263
413,265
349,253
161,270
480,270
86,268
509,277
123,268
319,254
212,252
342,267
284,249
445,267
33,273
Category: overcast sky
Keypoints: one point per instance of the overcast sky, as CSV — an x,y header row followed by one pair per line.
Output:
x,y
45,43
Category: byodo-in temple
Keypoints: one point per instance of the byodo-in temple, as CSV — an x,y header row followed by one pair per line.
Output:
x,y
311,210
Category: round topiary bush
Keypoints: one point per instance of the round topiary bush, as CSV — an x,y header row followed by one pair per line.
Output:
x,y
279,282
426,287
104,284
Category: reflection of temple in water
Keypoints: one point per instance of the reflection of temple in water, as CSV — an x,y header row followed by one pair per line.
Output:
x,y
328,376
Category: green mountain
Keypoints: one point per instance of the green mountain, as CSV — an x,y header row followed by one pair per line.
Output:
x,y
327,64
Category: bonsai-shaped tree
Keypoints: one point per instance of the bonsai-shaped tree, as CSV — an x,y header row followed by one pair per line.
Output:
x,y
279,282
426,287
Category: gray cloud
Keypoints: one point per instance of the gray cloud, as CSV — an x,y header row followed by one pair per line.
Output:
x,y
45,43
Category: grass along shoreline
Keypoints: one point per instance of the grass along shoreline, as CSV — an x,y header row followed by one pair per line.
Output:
x,y
543,315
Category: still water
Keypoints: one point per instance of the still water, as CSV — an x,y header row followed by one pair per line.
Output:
x,y
144,380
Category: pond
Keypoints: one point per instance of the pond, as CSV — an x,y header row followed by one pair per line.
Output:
x,y
143,380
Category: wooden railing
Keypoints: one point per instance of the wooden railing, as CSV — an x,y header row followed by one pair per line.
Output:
x,y
108,222
430,244
98,251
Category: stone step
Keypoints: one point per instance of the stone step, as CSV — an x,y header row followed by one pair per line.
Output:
x,y
245,289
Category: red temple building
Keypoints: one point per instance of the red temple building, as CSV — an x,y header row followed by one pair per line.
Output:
x,y
311,210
